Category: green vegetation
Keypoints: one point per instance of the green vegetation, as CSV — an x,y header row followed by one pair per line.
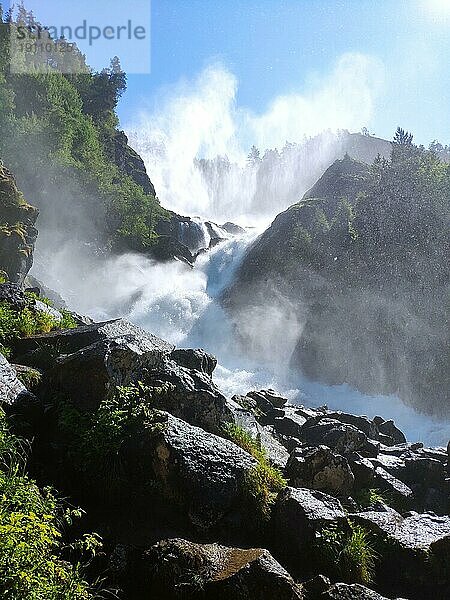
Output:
x,y
58,131
93,441
369,497
32,524
26,322
29,377
350,555
264,481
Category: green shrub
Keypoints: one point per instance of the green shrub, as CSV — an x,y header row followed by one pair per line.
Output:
x,y
30,378
349,555
369,497
263,482
31,534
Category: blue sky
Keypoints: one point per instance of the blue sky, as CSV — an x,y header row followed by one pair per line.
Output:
x,y
278,47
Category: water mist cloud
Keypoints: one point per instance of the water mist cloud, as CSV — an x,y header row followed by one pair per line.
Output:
x,y
200,119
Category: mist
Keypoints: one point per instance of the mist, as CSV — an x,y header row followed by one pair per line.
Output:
x,y
196,141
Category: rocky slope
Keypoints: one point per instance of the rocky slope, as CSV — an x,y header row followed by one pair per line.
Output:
x,y
199,496
361,264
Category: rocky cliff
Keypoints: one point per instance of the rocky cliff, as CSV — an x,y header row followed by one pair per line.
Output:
x,y
17,231
361,262
203,497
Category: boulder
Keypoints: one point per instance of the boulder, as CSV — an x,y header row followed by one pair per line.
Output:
x,y
391,430
398,492
40,350
177,569
85,365
12,294
291,423
264,434
344,591
417,546
298,517
200,472
268,399
320,469
197,360
363,471
340,437
12,391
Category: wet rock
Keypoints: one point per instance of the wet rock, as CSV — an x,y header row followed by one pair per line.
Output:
x,y
362,423
264,434
12,390
389,428
399,492
340,437
176,569
298,517
40,350
232,228
267,399
202,473
344,591
188,394
320,469
198,360
363,471
291,423
418,545
13,295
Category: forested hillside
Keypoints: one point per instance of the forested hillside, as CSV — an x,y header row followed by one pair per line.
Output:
x,y
59,134
363,262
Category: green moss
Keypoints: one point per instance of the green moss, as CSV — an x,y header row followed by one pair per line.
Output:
x,y
263,482
30,378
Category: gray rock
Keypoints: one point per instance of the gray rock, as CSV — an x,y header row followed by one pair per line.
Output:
x,y
320,469
12,294
389,428
40,350
11,389
264,434
177,568
397,490
341,437
344,591
201,472
418,545
298,517
198,360
291,423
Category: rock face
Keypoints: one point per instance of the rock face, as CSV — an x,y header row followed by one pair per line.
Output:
x,y
202,472
221,573
88,363
17,231
298,517
417,547
335,264
318,468
12,391
129,162
343,591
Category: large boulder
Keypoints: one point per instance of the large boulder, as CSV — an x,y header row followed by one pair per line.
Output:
x,y
298,517
85,365
320,469
340,437
177,569
416,546
200,472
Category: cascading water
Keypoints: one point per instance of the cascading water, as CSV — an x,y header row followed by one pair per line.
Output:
x,y
180,305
